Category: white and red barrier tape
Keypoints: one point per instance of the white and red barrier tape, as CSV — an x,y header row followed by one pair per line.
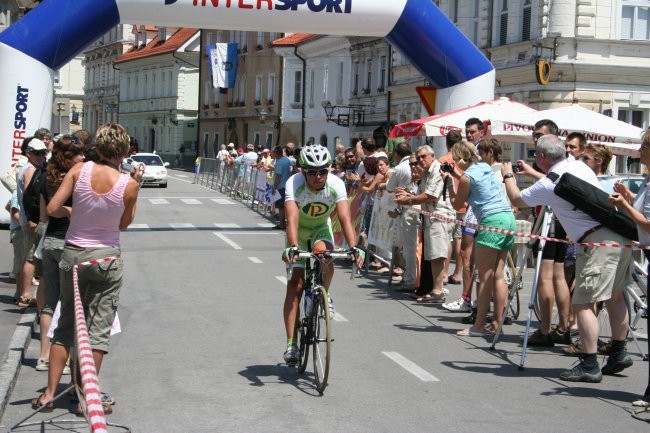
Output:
x,y
634,245
89,380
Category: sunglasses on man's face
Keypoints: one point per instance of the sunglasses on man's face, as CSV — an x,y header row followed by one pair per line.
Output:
x,y
537,135
413,164
321,172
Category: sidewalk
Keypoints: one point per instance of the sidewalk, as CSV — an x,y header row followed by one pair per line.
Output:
x,y
15,328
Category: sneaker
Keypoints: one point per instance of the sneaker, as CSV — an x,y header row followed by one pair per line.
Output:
x,y
573,350
561,337
469,320
42,365
540,340
580,373
458,306
291,355
617,362
331,308
66,370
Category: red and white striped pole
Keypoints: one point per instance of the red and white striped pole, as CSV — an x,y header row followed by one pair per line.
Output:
x,y
89,380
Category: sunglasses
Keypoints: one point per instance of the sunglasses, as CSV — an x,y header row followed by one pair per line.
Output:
x,y
350,156
413,164
321,172
537,135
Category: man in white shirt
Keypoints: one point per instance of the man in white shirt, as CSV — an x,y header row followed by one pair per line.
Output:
x,y
601,272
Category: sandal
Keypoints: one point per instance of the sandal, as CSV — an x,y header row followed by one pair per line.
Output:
x,y
431,299
37,404
24,301
452,280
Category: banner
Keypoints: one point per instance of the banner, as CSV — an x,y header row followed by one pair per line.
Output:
x,y
223,64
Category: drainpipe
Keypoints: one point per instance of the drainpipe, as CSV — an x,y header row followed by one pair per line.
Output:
x,y
198,110
279,101
304,88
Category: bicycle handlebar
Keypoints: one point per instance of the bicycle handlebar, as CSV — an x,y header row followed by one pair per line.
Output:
x,y
319,255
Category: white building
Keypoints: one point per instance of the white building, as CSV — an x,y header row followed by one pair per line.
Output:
x,y
159,89
102,84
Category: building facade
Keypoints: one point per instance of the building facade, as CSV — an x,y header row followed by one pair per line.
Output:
x,y
249,112
159,90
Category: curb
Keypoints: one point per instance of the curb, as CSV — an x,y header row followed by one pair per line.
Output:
x,y
15,353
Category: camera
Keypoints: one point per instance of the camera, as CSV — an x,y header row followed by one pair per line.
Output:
x,y
517,168
130,166
446,167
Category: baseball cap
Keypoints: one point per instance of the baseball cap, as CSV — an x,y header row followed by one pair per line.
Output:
x,y
231,145
36,145
240,150
266,151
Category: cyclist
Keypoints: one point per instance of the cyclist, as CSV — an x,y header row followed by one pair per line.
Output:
x,y
310,198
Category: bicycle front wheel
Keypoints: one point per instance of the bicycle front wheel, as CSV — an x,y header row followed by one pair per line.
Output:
x,y
304,331
321,340
513,282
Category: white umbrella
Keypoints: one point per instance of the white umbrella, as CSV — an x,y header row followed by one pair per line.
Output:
x,y
440,124
621,137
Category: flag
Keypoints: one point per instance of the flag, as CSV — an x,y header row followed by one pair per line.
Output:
x,y
223,64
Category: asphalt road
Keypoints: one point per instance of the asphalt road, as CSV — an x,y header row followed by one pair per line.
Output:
x,y
202,342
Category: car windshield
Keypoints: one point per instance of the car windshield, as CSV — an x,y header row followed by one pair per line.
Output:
x,y
150,160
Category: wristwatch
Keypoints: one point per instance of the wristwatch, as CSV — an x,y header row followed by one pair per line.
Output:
x,y
507,176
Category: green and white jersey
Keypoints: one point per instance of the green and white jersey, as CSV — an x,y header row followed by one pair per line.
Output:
x,y
315,206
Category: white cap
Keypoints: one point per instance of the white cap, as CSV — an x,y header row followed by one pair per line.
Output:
x,y
36,145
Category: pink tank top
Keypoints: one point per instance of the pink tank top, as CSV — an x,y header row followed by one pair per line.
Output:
x,y
95,219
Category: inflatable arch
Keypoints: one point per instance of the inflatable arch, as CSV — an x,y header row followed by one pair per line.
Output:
x,y
50,35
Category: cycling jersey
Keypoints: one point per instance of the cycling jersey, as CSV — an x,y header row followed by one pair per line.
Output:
x,y
315,207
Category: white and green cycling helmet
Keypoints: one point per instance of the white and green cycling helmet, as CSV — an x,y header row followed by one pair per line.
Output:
x,y
315,156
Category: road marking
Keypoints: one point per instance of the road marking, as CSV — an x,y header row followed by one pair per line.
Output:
x,y
138,227
181,175
158,201
226,240
254,260
182,226
339,317
190,201
227,225
266,224
222,201
411,367
282,279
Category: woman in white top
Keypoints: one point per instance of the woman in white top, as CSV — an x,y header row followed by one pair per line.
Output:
x,y
638,207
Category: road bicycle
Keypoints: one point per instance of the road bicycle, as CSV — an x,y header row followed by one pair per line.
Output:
x,y
313,325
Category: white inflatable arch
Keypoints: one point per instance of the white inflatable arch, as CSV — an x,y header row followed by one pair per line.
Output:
x,y
55,31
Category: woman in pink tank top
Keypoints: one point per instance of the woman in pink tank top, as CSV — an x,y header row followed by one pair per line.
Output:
x,y
103,203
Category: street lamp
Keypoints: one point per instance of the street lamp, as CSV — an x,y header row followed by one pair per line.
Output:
x,y
59,109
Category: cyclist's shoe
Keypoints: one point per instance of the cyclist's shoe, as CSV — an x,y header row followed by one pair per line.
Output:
x,y
291,355
458,306
540,340
582,373
617,362
560,337
331,308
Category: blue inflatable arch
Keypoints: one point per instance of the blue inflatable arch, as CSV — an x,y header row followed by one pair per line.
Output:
x,y
54,32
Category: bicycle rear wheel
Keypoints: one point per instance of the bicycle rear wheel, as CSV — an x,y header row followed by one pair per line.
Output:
x,y
513,281
321,333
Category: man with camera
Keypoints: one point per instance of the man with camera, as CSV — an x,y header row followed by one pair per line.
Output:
x,y
437,234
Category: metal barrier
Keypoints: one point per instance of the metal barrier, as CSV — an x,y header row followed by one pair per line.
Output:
x,y
238,181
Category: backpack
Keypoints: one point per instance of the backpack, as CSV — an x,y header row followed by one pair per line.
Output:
x,y
593,201
31,196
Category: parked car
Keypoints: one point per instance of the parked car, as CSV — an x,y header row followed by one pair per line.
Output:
x,y
631,180
155,172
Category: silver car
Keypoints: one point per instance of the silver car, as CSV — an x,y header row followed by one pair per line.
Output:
x,y
155,172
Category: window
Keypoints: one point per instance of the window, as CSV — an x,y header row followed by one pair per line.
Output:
x,y
215,145
382,73
297,87
635,117
258,90
355,83
128,88
256,138
368,75
270,91
208,38
260,40
242,91
326,80
57,78
339,81
206,94
312,85
503,23
525,22
269,140
219,37
635,15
